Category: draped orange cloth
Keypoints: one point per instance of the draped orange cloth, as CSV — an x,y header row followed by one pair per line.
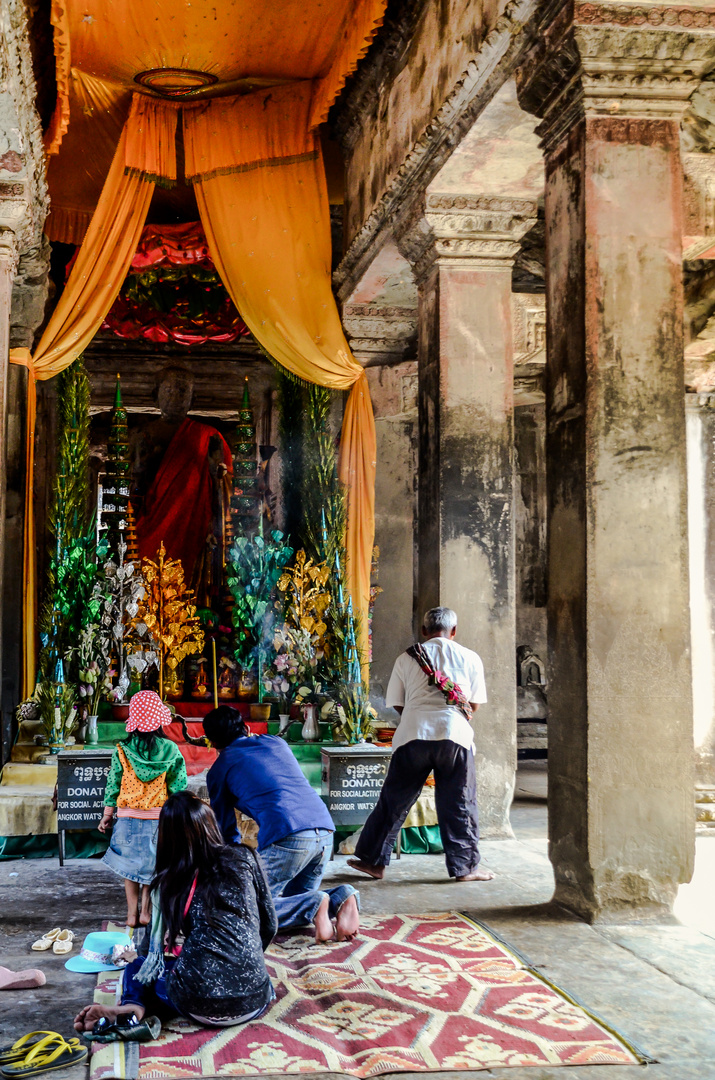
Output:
x,y
261,191
101,46
94,283
270,242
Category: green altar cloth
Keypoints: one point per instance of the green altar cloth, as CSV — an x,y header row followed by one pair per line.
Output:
x,y
78,845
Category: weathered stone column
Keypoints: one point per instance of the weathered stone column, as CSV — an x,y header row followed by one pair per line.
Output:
x,y
8,264
700,427
381,337
461,249
620,731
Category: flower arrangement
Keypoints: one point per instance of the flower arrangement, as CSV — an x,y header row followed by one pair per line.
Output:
x,y
94,660
300,643
291,676
356,724
57,705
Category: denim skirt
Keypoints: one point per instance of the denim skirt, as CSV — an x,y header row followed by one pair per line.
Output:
x,y
132,849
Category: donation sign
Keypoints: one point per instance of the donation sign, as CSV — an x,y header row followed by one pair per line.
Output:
x,y
352,777
81,780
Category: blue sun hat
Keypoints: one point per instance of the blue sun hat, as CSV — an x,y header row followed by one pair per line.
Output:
x,y
96,954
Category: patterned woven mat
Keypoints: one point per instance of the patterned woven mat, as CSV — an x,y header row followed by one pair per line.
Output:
x,y
412,993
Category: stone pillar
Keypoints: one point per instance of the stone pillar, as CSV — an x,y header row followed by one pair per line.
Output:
x,y
382,339
8,263
620,704
700,427
462,249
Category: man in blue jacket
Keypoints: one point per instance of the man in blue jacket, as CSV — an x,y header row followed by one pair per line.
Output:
x,y
259,776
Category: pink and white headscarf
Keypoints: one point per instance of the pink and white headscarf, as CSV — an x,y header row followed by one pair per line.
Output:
x,y
147,712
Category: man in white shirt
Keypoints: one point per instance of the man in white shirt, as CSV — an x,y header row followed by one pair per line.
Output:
x,y
435,688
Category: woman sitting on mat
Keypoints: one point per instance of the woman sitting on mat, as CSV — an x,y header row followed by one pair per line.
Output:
x,y
212,918
146,768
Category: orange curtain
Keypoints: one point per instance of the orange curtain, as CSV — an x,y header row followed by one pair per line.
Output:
x,y
96,278
261,191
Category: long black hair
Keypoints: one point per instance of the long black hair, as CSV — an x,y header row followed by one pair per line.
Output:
x,y
223,725
189,845
145,741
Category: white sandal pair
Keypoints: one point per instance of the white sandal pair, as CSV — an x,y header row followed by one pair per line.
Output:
x,y
59,940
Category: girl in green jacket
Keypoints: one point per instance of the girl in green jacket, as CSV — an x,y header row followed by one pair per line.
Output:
x,y
146,768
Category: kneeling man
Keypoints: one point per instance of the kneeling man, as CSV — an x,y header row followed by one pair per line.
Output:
x,y
435,687
258,775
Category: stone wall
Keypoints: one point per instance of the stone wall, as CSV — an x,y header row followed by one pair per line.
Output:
x,y
404,95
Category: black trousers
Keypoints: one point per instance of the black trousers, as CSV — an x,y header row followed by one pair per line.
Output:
x,y
455,796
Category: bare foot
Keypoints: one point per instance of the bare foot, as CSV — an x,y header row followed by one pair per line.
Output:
x,y
324,929
376,872
348,921
145,912
477,875
132,921
87,1017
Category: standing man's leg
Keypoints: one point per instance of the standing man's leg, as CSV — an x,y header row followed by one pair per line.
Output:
x,y
410,766
455,781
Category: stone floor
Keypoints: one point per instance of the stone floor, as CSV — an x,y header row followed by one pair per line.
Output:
x,y
654,982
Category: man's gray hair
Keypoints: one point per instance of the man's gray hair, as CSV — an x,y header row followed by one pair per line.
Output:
x,y
439,620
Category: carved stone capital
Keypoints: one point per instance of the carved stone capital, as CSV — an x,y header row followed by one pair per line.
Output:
x,y
380,334
630,60
464,228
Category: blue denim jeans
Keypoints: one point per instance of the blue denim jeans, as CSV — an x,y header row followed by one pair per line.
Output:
x,y
294,867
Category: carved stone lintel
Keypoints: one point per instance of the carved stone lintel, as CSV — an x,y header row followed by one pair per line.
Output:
x,y
464,229
640,61
380,335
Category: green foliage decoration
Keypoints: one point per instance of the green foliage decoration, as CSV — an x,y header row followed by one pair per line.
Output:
x,y
291,396
69,510
254,566
77,601
323,496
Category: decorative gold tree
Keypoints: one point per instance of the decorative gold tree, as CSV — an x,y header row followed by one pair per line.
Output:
x,y
168,613
306,597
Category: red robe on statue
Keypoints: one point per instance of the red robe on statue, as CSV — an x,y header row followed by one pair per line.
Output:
x,y
178,508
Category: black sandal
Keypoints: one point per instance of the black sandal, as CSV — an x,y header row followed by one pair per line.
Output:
x,y
126,1028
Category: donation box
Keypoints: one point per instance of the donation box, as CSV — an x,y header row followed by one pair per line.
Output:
x,y
81,781
351,779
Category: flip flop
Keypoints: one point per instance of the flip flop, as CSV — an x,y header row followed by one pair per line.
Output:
x,y
63,943
53,1052
27,979
45,942
19,1049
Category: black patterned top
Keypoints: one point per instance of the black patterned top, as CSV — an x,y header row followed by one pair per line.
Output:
x,y
221,973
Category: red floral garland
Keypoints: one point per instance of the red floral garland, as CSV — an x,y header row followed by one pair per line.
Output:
x,y
453,693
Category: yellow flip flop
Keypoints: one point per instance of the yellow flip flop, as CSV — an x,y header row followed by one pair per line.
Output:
x,y
53,1052
21,1048
45,942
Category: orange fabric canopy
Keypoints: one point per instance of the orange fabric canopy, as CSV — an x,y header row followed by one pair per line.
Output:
x,y
100,47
